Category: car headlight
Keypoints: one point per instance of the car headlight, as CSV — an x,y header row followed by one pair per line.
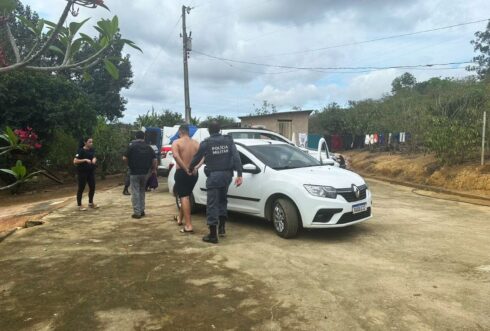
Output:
x,y
321,191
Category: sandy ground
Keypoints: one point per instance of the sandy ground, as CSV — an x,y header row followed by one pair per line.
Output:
x,y
36,201
419,264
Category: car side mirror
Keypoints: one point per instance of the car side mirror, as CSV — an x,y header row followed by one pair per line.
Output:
x,y
328,162
251,168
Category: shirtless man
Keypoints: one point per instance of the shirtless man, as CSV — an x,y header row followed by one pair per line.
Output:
x,y
183,150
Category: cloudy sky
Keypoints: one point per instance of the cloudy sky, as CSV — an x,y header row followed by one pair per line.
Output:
x,y
295,47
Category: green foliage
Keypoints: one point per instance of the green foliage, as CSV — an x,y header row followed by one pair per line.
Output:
x,y
104,90
443,116
12,142
42,43
224,121
61,149
482,45
405,81
7,6
44,102
452,141
110,141
160,119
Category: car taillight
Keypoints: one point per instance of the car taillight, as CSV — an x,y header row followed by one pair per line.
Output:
x,y
164,151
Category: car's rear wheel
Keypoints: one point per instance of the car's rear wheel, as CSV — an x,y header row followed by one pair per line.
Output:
x,y
193,203
285,218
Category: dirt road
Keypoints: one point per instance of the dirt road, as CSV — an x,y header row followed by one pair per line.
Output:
x,y
420,264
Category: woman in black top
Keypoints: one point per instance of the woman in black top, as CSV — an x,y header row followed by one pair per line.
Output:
x,y
86,161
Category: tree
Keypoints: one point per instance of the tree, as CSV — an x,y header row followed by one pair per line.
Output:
x,y
405,81
224,121
155,119
44,102
266,109
111,140
482,45
95,81
66,41
101,87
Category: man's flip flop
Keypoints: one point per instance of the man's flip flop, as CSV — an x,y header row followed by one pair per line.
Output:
x,y
176,220
184,230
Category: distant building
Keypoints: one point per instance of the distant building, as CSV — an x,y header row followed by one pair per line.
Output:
x,y
290,124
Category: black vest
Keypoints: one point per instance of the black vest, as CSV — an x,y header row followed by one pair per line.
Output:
x,y
218,154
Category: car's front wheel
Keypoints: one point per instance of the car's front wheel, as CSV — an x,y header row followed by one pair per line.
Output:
x,y
285,218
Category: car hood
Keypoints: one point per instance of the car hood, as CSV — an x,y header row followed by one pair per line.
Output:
x,y
324,175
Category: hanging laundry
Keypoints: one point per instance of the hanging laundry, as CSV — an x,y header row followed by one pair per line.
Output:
x,y
336,142
402,137
366,140
396,138
371,139
375,138
359,141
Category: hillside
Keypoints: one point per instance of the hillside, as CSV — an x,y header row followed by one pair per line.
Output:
x,y
422,169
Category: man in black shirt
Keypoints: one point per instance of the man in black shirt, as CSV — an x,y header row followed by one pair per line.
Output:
x,y
142,162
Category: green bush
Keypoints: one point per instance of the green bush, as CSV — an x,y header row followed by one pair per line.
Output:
x,y
452,141
110,142
61,151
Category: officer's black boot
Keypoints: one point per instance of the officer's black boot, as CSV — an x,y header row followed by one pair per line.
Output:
x,y
221,228
212,237
125,191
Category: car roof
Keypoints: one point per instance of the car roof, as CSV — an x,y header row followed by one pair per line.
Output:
x,y
257,142
249,130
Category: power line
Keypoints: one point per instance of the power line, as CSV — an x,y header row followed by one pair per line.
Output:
x,y
167,39
332,68
376,39
358,70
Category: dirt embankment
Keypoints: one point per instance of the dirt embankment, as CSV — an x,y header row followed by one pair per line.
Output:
x,y
422,169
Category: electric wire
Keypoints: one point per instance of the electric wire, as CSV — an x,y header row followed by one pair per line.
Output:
x,y
375,39
334,68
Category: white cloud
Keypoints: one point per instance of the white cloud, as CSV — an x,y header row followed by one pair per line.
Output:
x,y
272,32
294,96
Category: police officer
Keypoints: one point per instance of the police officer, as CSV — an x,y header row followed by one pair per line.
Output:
x,y
221,158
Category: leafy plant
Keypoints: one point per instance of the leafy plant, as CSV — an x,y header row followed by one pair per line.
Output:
x,y
19,172
65,41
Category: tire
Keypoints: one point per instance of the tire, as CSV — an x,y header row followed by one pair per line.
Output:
x,y
193,203
285,218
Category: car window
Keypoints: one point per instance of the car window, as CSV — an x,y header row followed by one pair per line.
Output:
x,y
244,135
273,137
282,156
245,159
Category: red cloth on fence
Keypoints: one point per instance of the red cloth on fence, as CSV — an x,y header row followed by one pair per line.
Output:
x,y
336,142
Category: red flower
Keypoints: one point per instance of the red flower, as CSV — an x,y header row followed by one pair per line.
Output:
x,y
37,145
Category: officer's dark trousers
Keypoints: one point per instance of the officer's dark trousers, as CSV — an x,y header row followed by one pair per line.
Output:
x,y
217,190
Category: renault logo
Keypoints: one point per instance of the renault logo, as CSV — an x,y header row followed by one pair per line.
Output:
x,y
356,191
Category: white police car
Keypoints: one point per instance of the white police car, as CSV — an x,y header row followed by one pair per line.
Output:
x,y
292,189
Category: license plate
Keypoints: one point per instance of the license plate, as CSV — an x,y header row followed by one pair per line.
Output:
x,y
359,208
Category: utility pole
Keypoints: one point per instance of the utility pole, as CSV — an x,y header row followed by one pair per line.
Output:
x,y
483,138
187,48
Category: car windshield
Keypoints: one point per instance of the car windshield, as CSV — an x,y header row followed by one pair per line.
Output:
x,y
282,156
255,135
